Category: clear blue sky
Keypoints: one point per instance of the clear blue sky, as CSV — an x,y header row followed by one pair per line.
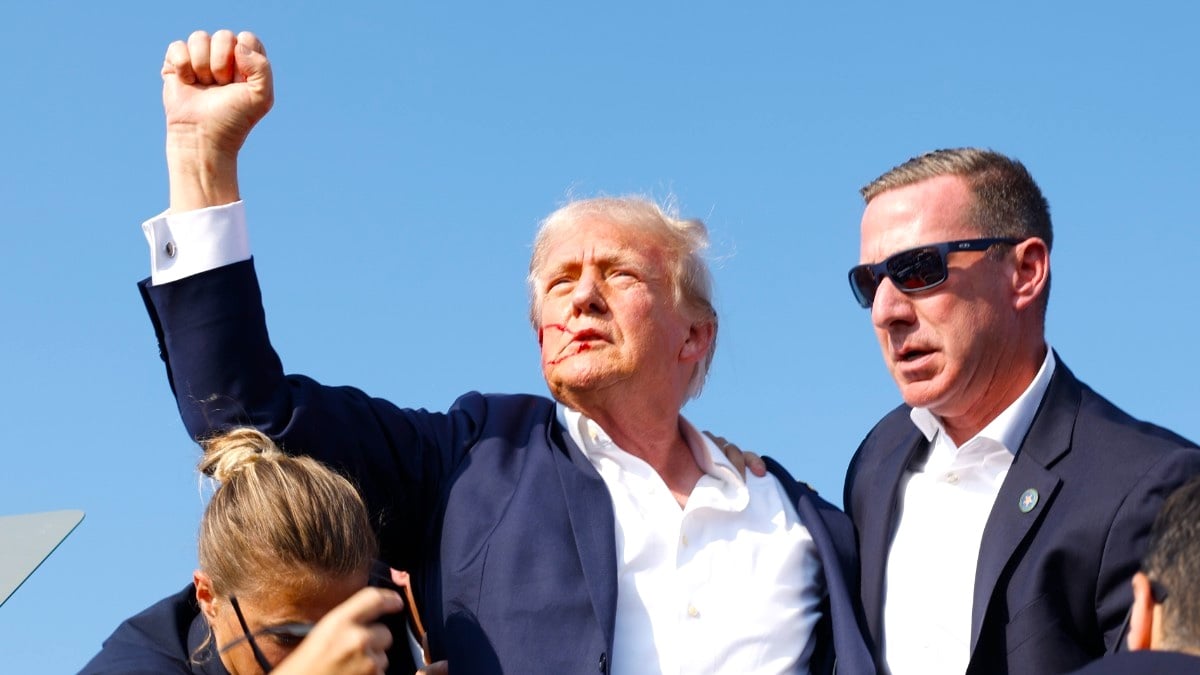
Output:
x,y
395,188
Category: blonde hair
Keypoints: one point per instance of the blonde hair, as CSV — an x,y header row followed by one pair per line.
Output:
x,y
275,515
683,240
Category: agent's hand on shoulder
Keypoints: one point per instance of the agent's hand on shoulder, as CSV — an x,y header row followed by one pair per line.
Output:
x,y
347,639
742,460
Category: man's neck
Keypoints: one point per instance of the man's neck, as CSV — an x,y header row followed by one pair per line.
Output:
x,y
964,427
649,430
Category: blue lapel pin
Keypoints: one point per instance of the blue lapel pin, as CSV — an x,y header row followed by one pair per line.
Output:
x,y
1028,500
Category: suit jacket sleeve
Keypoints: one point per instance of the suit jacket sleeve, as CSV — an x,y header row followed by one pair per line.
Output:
x,y
223,371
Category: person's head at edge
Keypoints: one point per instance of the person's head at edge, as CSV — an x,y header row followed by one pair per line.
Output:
x,y
621,299
1166,593
969,346
285,536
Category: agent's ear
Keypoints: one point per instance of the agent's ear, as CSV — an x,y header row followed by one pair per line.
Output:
x,y
1141,614
1031,272
204,594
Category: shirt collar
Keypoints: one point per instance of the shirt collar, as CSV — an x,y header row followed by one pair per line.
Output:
x,y
595,442
1011,425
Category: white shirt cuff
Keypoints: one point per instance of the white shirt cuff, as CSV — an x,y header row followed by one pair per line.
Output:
x,y
188,243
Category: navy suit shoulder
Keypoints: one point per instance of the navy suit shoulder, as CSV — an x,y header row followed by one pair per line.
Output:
x,y
1144,663
167,637
842,636
1052,584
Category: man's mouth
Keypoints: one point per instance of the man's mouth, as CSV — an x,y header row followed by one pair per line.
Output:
x,y
910,355
587,335
578,341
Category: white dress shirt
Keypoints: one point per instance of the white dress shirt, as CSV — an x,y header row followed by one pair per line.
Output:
x,y
945,506
188,243
731,583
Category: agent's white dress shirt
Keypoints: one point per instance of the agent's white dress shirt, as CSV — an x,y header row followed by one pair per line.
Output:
x,y
945,505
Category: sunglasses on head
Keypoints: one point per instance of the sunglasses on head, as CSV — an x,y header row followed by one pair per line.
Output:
x,y
917,269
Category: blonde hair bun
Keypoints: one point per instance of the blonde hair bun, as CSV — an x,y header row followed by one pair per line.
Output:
x,y
227,455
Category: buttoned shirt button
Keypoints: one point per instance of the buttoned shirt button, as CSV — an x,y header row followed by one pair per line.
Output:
x,y
683,540
693,612
169,249
952,478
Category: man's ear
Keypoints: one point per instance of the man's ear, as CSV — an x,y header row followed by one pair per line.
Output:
x,y
204,594
1141,614
1031,272
700,337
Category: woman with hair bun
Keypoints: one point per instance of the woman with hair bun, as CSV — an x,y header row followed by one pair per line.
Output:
x,y
286,553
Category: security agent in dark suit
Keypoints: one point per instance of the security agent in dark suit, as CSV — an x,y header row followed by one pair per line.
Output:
x,y
1001,511
1164,621
514,514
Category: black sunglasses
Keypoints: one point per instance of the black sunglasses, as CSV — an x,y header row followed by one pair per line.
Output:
x,y
914,270
296,630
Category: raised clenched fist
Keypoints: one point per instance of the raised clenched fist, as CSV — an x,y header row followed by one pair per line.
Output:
x,y
215,89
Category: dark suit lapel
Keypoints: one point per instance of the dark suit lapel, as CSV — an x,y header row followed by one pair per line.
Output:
x,y
835,542
875,534
590,508
1028,490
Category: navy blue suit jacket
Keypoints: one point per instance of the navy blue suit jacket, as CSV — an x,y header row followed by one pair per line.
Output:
x,y
1144,663
506,527
170,636
1052,585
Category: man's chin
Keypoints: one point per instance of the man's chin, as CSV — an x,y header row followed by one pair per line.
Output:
x,y
921,393
573,381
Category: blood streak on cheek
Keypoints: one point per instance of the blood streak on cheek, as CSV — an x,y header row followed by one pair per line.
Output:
x,y
565,331
582,348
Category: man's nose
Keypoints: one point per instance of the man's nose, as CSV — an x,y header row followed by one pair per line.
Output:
x,y
890,305
588,295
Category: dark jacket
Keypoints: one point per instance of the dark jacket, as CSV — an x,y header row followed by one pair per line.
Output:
x,y
170,636
1144,663
1052,585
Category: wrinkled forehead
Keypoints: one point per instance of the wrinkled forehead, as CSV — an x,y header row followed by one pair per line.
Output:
x,y
928,212
598,240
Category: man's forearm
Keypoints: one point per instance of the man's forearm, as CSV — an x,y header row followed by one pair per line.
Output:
x,y
200,175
